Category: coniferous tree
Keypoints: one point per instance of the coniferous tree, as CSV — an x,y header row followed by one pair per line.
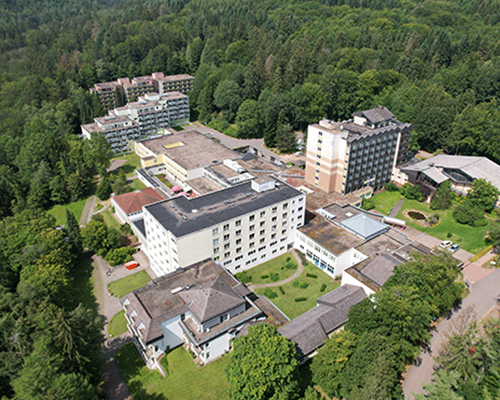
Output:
x,y
74,235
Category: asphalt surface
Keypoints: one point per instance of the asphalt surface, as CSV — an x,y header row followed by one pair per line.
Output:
x,y
484,296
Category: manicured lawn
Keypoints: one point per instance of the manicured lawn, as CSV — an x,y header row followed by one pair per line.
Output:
x,y
125,285
109,219
117,325
136,184
133,162
59,211
385,200
276,266
286,302
184,380
468,237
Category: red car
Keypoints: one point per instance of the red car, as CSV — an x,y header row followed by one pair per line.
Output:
x,y
131,264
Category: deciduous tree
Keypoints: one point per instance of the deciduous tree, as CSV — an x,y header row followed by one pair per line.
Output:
x,y
263,366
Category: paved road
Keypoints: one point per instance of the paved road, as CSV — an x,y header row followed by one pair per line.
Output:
x,y
114,386
300,268
484,296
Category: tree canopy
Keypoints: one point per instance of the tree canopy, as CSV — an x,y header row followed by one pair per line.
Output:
x,y
263,366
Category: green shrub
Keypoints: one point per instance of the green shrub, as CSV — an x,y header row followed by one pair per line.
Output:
x,y
412,192
449,235
244,277
323,287
391,187
119,256
291,265
299,299
265,276
282,291
288,259
300,284
468,214
275,277
368,204
309,275
269,293
443,197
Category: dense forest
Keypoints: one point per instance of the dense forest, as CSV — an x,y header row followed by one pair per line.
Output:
x,y
263,69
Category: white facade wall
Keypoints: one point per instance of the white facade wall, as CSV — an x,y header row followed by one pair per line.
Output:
x,y
237,244
332,264
173,335
348,279
119,212
216,347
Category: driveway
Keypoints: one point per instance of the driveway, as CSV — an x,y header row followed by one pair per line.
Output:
x,y
484,297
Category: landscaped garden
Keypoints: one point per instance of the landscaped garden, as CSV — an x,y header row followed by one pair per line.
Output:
x,y
117,325
470,238
275,270
300,295
59,211
184,379
126,285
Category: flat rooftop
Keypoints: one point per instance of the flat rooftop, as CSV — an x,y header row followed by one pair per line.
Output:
x,y
386,243
384,253
203,185
173,78
190,150
183,216
333,238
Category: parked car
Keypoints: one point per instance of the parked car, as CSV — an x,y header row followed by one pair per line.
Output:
x,y
131,264
454,247
445,244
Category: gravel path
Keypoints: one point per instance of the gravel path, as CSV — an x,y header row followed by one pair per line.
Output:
x,y
88,209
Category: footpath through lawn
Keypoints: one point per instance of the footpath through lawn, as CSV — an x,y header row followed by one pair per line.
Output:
x,y
184,379
307,289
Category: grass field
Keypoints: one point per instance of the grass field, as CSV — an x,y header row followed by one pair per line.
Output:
x,y
109,219
83,285
276,265
133,162
184,380
59,211
136,184
286,302
468,237
385,200
125,285
117,325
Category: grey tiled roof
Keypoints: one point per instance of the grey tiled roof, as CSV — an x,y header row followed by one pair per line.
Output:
x,y
475,167
312,328
211,299
155,302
